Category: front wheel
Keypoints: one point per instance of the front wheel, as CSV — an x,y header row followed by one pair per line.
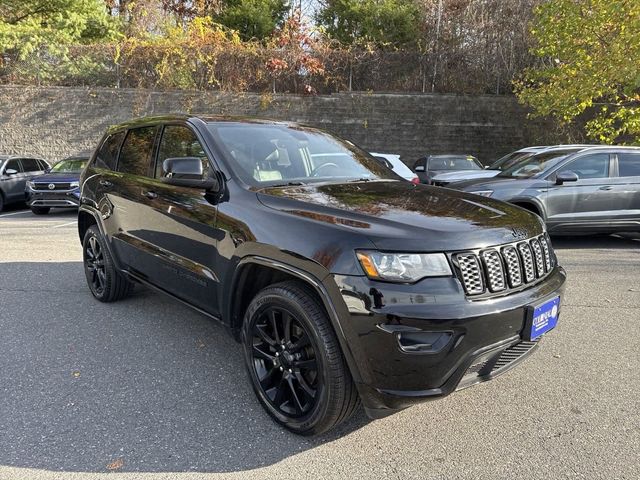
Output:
x,y
294,361
40,210
106,283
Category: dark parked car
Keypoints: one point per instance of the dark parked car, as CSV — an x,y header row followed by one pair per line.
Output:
x,y
428,167
584,190
59,187
15,171
344,283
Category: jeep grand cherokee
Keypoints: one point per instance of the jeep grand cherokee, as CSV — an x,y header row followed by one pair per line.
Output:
x,y
344,283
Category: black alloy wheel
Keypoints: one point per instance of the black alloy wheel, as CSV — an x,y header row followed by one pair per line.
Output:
x,y
284,360
106,283
294,360
94,263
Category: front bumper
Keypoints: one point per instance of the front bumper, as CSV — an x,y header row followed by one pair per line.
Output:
x,y
59,199
413,343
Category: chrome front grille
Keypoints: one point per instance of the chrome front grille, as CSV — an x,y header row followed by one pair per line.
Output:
x,y
497,269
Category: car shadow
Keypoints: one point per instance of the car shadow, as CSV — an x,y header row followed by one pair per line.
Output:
x,y
145,384
623,241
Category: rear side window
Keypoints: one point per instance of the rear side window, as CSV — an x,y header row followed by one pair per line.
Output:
x,y
43,165
180,141
629,164
30,165
135,154
107,155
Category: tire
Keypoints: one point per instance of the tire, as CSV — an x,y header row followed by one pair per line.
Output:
x,y
300,361
40,210
106,283
1,202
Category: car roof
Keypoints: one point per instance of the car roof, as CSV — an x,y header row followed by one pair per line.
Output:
x,y
206,118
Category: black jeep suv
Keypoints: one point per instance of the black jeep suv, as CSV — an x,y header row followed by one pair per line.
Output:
x,y
344,283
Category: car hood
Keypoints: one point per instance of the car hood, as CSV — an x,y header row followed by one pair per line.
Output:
x,y
466,174
406,217
57,178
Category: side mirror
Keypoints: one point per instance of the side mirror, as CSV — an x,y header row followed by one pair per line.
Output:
x,y
419,168
187,172
47,170
566,176
10,171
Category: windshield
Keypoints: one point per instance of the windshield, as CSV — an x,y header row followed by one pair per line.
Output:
x,y
534,165
509,159
69,166
268,155
453,163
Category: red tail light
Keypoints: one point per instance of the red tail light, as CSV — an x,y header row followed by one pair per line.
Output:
x,y
415,180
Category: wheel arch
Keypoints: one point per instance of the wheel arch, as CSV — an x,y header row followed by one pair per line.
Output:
x,y
254,273
530,205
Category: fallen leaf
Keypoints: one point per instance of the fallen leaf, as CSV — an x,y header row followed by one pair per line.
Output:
x,y
116,464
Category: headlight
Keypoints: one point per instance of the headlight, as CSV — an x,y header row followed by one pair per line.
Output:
x,y
483,193
30,184
403,267
74,184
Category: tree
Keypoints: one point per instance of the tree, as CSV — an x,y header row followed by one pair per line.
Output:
x,y
253,19
30,25
383,22
589,68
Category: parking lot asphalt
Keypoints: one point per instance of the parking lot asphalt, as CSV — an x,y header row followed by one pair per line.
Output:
x,y
149,389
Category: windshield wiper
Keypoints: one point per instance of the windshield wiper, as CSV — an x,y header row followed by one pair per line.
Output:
x,y
364,179
288,184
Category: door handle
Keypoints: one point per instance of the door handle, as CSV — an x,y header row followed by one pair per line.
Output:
x,y
151,195
105,183
607,187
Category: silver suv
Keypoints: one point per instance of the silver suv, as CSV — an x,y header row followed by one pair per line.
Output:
x,y
575,189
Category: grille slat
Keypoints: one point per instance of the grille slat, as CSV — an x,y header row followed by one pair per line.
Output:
x,y
494,270
508,266
471,273
527,261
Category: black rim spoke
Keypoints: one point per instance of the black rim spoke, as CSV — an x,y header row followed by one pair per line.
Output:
x,y
259,353
288,323
284,362
296,401
309,364
260,330
302,342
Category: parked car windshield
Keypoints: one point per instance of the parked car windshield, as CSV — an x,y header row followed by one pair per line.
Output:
x,y
450,162
535,164
509,160
69,166
275,154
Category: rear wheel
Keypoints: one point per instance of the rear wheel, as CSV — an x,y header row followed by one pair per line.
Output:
x,y
1,202
294,360
106,283
40,210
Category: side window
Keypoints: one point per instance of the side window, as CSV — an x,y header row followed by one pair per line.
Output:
x,y
43,165
135,155
107,155
629,164
180,141
13,165
30,165
590,166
